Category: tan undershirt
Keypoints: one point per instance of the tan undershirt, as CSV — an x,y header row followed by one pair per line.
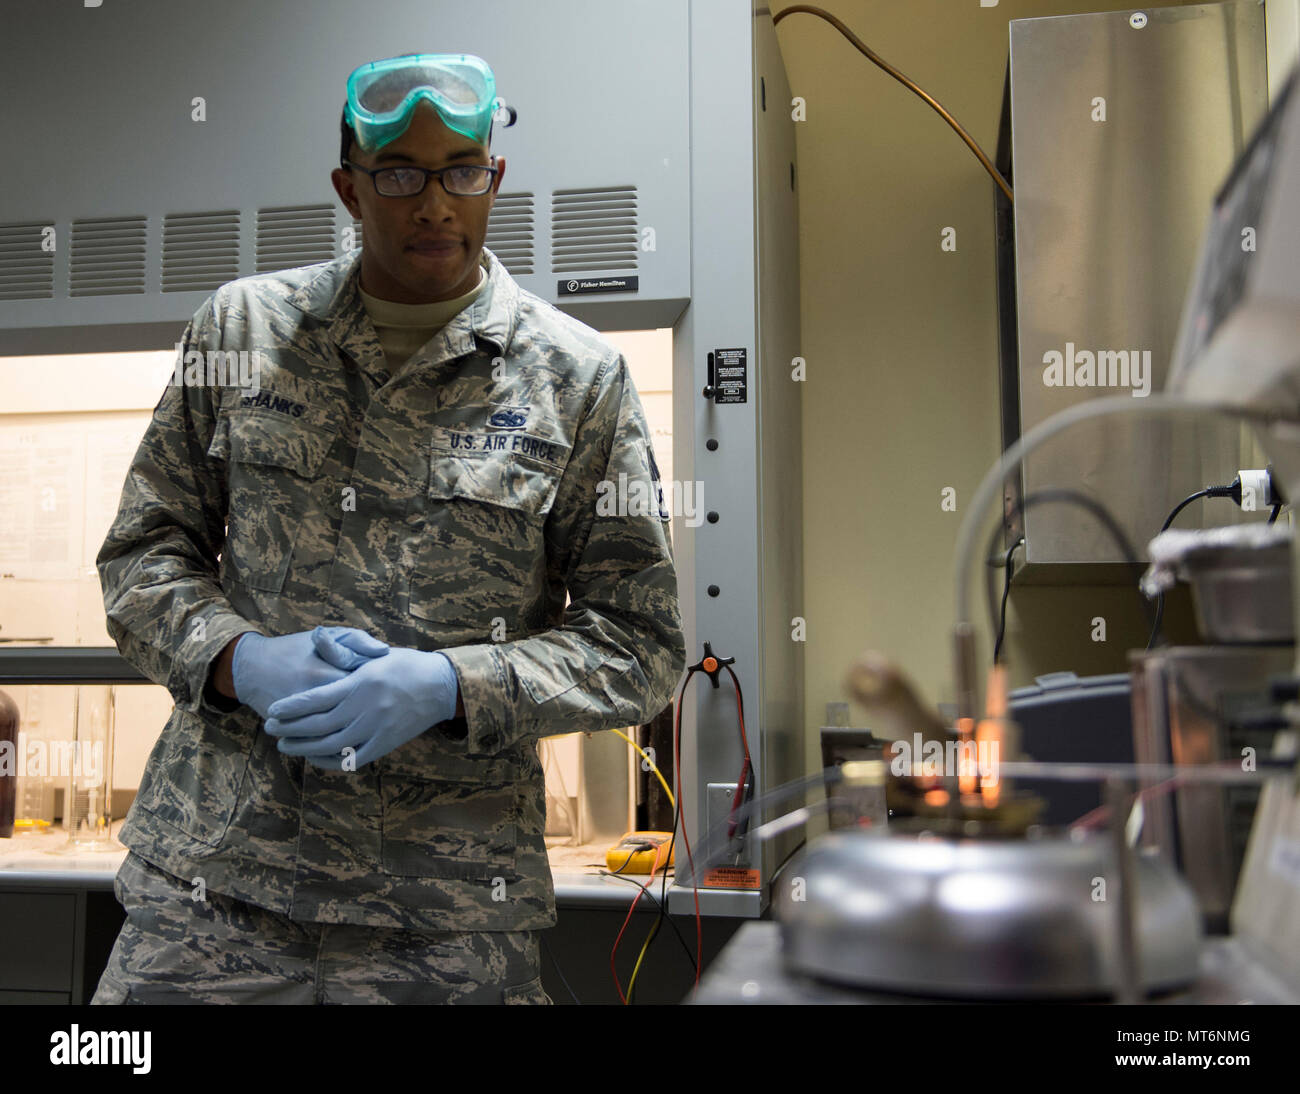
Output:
x,y
404,328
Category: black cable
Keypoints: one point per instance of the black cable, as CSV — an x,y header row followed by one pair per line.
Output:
x,y
654,931
1272,517
654,900
558,972
641,845
669,864
662,902
1208,492
1094,507
1006,592
642,954
745,789
740,805
616,873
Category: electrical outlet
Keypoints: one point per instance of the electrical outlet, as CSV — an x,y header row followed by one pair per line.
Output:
x,y
718,799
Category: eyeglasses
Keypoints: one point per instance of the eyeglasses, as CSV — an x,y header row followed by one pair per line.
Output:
x,y
462,180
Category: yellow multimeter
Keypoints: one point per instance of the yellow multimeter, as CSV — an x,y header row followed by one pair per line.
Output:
x,y
640,853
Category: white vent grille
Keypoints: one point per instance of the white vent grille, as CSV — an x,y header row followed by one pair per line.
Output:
x,y
295,235
26,270
511,232
200,251
107,256
593,231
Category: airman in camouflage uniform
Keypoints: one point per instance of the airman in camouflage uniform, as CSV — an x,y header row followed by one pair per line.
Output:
x,y
182,945
448,507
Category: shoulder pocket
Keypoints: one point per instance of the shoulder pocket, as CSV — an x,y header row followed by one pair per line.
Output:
x,y
269,439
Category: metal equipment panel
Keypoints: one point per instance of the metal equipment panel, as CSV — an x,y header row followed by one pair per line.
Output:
x,y
741,576
600,119
1123,126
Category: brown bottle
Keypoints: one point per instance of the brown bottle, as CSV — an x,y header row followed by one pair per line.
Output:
x,y
8,763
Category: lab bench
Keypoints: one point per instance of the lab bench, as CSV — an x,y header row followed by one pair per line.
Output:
x,y
59,918
751,969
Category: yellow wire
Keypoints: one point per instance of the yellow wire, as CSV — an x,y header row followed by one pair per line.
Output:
x,y
654,930
673,802
646,756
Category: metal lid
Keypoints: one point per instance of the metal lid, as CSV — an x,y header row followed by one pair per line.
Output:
x,y
980,918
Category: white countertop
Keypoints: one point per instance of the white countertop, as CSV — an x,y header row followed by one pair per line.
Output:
x,y
35,859
27,861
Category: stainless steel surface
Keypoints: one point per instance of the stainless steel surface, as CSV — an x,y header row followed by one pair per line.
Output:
x,y
751,969
1108,215
1177,698
1266,912
1243,595
980,918
718,799
1127,977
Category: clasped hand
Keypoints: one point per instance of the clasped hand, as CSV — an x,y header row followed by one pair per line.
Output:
x,y
378,706
266,669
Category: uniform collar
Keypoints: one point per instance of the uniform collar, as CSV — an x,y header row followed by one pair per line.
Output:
x,y
332,296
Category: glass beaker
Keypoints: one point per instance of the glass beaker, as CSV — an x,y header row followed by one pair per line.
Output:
x,y
88,807
34,808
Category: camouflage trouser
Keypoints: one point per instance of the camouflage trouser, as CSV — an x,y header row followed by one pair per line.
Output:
x,y
174,949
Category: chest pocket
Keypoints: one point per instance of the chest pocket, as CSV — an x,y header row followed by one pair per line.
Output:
x,y
480,552
273,461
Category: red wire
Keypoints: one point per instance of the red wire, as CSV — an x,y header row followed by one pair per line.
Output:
x,y
740,711
748,766
681,809
654,865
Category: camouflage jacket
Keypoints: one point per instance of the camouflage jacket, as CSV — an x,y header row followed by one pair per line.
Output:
x,y
449,508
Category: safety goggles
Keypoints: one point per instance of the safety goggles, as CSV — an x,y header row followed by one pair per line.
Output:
x,y
382,96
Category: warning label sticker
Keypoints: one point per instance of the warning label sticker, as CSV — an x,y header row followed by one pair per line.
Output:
x,y
732,877
732,384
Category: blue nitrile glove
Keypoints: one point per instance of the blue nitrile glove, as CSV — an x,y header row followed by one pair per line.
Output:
x,y
373,710
267,669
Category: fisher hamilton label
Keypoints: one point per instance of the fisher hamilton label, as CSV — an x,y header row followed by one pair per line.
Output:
x,y
573,286
730,371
